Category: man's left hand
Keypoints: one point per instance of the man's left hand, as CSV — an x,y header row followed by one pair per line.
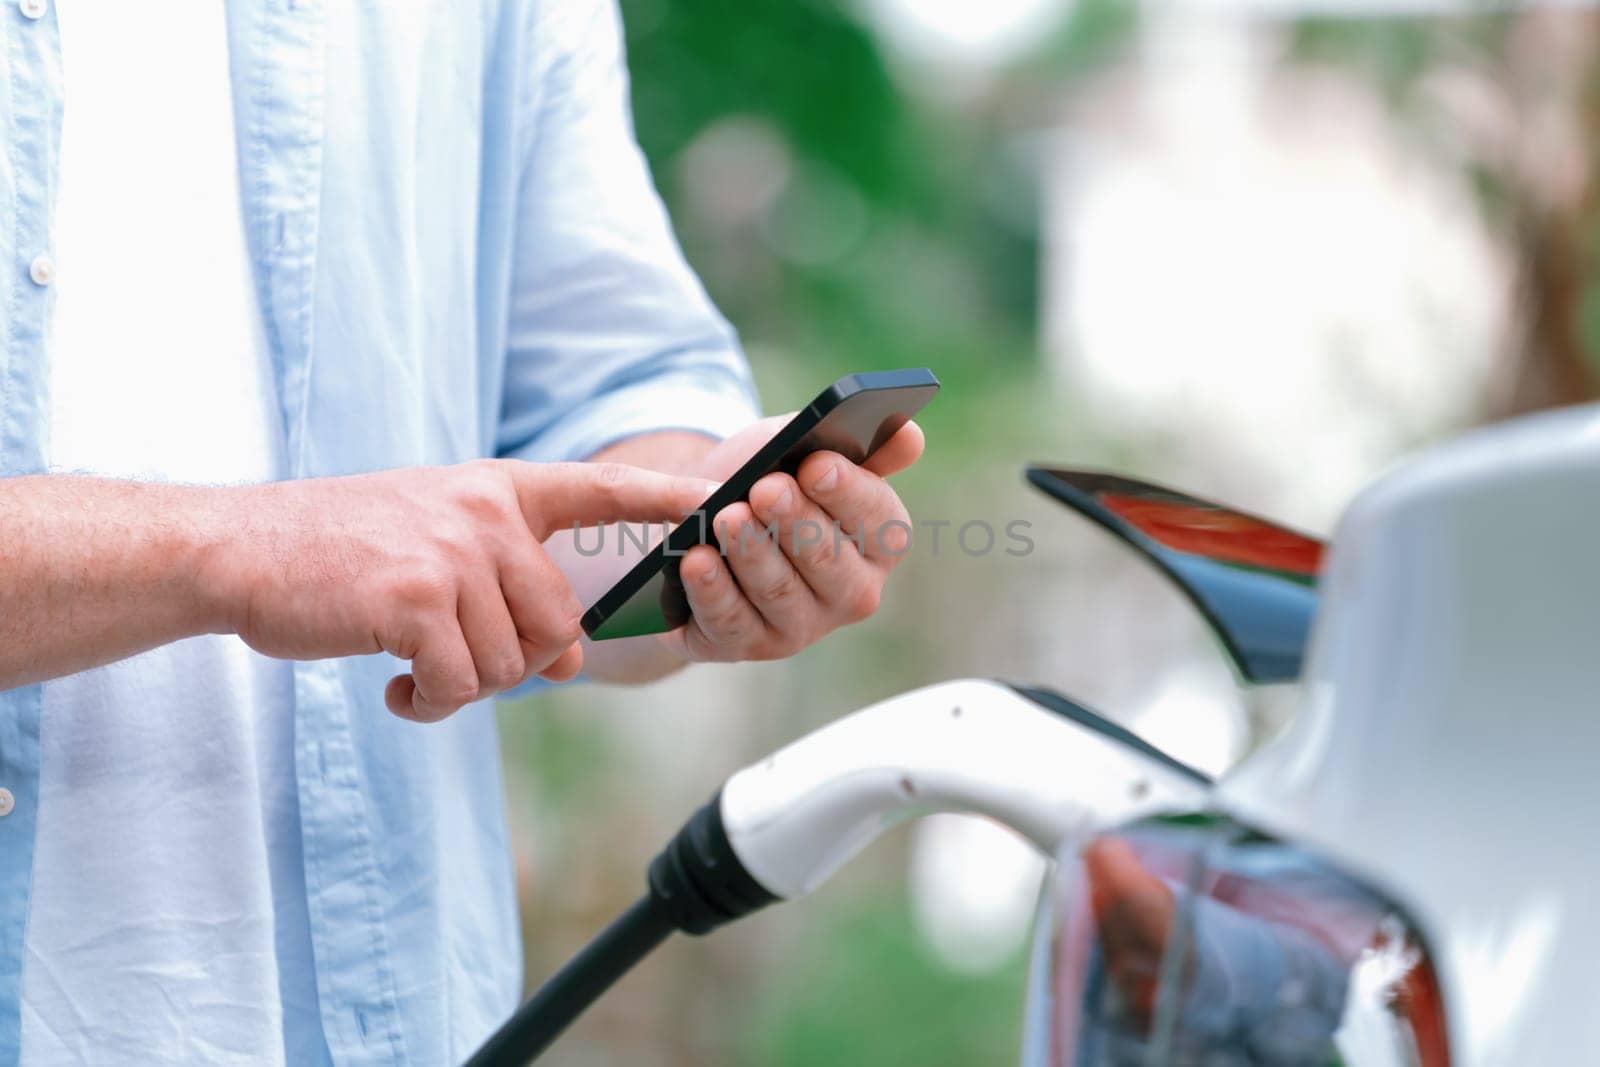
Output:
x,y
807,555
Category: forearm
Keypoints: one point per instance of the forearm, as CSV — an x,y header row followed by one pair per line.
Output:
x,y
94,570
671,451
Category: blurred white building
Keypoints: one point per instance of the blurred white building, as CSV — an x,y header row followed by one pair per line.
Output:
x,y
1249,256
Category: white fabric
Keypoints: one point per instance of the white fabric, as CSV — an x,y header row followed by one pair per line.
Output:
x,y
168,903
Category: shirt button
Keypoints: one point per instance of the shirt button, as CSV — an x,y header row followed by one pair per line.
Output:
x,y
33,9
42,270
7,802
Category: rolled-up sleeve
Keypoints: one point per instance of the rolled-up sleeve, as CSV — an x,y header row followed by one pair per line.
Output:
x,y
611,334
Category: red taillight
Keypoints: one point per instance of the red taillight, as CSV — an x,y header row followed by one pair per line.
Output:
x,y
1216,534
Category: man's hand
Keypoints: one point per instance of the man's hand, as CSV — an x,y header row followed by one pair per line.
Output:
x,y
766,600
836,531
439,566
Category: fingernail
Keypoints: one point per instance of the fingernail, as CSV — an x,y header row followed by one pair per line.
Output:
x,y
781,505
709,576
829,479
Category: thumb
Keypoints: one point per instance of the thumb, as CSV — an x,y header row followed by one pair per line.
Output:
x,y
897,453
558,496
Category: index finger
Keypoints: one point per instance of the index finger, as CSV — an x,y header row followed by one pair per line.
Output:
x,y
556,496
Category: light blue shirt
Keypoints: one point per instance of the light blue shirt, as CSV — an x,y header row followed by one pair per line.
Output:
x,y
458,253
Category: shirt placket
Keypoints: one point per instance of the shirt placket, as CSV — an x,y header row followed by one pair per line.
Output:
x,y
278,87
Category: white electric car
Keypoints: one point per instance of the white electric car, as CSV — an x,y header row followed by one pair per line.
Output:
x,y
1403,877
1407,875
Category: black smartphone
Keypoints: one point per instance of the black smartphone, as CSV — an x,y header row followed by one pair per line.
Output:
x,y
853,417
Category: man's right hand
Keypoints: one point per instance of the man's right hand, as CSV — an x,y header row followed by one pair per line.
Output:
x,y
441,566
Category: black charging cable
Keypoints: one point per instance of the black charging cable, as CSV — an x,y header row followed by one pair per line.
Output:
x,y
696,884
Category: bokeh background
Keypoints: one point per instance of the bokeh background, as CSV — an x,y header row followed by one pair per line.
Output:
x,y
1257,249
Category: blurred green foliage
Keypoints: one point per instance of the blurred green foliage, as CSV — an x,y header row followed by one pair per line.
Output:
x,y
1094,33
696,61
937,272
1393,52
884,1000
566,758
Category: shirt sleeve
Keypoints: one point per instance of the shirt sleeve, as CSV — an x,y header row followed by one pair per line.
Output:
x,y
611,334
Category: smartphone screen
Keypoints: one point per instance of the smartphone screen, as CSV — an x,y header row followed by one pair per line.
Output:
x,y
853,417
